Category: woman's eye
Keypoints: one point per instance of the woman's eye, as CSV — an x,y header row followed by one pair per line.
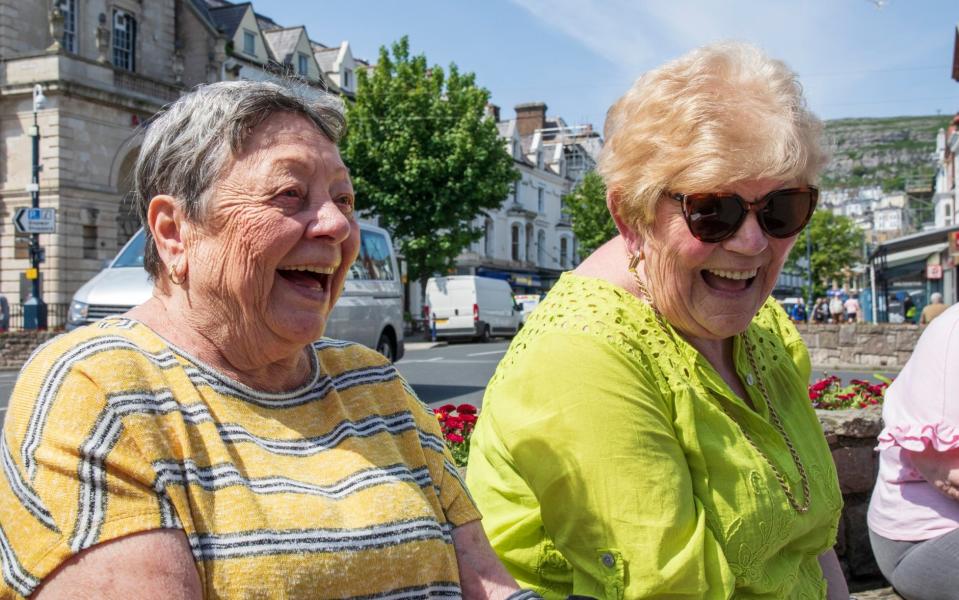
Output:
x,y
346,203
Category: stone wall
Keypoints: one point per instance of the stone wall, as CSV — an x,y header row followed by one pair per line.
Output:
x,y
16,346
885,346
852,438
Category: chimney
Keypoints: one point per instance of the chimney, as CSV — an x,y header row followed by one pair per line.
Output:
x,y
492,111
530,116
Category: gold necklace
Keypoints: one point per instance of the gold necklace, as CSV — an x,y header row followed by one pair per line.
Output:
x,y
799,506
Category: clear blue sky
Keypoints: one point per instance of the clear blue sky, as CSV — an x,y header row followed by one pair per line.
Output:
x,y
855,59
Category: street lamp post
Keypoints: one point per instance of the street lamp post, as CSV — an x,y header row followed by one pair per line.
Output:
x,y
35,310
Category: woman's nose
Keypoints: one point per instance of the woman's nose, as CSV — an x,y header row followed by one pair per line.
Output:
x,y
750,239
329,220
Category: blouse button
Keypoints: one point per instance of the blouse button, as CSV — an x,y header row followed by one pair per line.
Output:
x,y
608,560
750,379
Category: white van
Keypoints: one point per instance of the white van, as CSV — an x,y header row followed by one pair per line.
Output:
x,y
369,311
467,306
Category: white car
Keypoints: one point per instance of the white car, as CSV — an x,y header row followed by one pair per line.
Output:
x,y
369,311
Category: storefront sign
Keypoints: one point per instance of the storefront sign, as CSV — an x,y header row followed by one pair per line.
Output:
x,y
954,242
933,271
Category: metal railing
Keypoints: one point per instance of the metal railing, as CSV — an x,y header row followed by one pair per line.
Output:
x,y
56,316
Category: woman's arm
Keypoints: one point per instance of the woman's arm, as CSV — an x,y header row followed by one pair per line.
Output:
x,y
482,575
151,565
941,469
836,588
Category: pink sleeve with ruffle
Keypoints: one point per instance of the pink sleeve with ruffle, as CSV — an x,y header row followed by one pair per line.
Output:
x,y
922,405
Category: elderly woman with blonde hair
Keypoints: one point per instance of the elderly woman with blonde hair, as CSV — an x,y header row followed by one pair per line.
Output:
x,y
648,434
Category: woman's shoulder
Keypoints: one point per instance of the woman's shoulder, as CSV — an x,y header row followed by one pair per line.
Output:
x,y
598,308
773,322
337,356
348,364
100,343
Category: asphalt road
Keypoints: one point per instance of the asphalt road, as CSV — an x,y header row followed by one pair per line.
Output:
x,y
455,373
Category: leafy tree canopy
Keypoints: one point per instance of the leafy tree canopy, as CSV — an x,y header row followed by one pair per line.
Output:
x,y
592,223
836,245
423,156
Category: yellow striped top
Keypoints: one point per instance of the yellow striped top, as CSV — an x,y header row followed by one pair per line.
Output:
x,y
340,488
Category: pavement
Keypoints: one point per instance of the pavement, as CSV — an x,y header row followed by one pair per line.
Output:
x,y
881,594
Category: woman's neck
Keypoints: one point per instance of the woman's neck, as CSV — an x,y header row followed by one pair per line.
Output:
x,y
219,345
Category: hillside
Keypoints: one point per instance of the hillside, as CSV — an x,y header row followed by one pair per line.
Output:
x,y
887,152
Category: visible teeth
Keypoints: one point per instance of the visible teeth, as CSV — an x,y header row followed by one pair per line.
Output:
x,y
320,270
734,274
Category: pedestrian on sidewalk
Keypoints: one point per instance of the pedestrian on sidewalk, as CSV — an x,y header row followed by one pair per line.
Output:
x,y
820,311
205,444
914,511
836,309
933,309
852,308
649,433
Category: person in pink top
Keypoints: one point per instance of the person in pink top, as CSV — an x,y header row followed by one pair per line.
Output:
x,y
914,513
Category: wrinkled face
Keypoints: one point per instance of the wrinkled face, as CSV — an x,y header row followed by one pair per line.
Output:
x,y
713,291
272,252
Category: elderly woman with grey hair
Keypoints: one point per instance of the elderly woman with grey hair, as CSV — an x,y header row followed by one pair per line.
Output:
x,y
205,444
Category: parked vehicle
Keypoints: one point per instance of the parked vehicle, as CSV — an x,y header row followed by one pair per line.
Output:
x,y
369,311
527,303
467,306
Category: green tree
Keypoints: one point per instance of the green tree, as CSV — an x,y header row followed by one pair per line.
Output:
x,y
586,205
836,243
424,158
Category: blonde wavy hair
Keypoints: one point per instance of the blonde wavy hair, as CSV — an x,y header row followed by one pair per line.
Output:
x,y
721,114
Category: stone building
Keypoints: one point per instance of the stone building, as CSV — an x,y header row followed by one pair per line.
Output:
x,y
104,67
529,240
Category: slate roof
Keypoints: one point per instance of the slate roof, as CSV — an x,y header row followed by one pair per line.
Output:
x,y
283,42
228,16
201,8
326,58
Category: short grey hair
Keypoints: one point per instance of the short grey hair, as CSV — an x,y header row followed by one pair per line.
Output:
x,y
936,298
189,142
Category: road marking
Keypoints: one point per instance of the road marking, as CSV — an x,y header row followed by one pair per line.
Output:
x,y
490,352
422,360
449,361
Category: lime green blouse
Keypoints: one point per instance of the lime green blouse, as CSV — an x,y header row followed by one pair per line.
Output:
x,y
610,461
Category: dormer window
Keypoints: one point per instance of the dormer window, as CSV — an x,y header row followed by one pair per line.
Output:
x,y
249,42
347,79
303,64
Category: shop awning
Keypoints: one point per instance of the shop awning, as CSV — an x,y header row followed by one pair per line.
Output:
x,y
914,254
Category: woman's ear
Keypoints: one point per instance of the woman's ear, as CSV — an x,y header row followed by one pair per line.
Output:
x,y
166,223
630,234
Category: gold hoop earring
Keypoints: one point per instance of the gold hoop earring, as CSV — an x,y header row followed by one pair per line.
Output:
x,y
172,275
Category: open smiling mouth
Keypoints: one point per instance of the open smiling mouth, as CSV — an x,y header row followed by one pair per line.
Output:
x,y
312,278
729,281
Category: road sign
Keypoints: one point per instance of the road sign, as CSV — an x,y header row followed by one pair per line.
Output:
x,y
36,220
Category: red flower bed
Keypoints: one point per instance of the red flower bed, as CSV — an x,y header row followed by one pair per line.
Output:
x,y
457,423
830,394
